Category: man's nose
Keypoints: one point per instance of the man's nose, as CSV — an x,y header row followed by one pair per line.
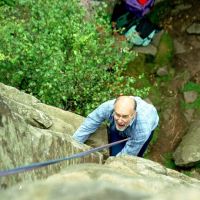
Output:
x,y
120,119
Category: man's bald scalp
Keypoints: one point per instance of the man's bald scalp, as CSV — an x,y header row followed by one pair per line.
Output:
x,y
127,100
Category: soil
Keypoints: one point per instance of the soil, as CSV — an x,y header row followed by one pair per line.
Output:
x,y
173,124
176,26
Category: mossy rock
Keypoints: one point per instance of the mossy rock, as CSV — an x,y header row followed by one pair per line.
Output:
x,y
165,52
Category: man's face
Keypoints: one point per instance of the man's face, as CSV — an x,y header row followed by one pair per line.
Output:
x,y
123,115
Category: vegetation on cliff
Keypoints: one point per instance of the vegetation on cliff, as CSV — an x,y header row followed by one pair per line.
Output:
x,y
52,51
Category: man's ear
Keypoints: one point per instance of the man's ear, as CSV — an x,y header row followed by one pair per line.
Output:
x,y
135,105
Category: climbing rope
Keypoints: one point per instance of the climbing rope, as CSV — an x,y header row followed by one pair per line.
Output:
x,y
51,162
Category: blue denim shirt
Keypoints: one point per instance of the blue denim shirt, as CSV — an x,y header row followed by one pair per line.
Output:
x,y
139,130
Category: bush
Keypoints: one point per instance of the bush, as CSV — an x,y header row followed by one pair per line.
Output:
x,y
49,49
7,2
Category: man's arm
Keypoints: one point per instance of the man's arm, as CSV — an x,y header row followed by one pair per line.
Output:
x,y
132,147
93,121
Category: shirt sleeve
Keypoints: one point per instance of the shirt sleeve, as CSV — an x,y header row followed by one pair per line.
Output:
x,y
133,146
92,122
137,139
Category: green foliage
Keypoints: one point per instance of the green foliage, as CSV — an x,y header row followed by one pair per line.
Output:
x,y
191,86
168,160
49,49
187,172
197,165
155,136
165,50
7,2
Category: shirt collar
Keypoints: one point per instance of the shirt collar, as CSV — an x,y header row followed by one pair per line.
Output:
x,y
133,120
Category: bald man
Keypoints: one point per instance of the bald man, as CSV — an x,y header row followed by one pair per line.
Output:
x,y
127,117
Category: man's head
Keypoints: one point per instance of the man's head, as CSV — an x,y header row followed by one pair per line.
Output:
x,y
124,112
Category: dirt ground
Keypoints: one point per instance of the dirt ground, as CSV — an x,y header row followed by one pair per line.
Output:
x,y
173,124
176,24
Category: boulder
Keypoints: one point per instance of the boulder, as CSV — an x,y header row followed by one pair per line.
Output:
x,y
190,96
194,28
48,117
23,143
187,153
124,177
22,104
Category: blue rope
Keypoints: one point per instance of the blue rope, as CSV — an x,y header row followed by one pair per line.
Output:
x,y
51,162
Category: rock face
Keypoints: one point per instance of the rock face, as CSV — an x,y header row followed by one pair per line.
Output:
x,y
119,178
48,117
33,132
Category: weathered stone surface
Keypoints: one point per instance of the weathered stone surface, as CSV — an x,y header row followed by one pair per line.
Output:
x,y
147,168
194,28
190,96
163,71
125,177
189,114
63,121
188,151
14,94
21,103
22,144
44,116
67,123
181,7
150,49
179,47
32,116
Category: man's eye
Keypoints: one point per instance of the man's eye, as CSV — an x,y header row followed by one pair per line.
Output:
x,y
125,116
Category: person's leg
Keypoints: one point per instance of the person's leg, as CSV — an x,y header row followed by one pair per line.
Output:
x,y
113,136
144,147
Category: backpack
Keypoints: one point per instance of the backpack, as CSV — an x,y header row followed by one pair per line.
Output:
x,y
139,7
142,33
